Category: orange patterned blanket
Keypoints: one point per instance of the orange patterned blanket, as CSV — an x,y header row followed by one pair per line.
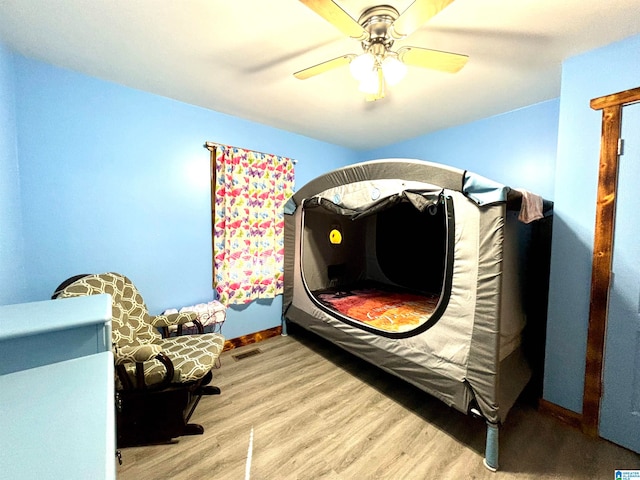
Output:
x,y
389,311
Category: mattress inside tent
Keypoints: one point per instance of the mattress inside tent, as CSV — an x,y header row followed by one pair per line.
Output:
x,y
380,307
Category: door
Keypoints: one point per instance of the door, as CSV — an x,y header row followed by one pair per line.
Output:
x,y
620,404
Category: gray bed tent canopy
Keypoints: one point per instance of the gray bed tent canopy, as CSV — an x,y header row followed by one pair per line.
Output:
x,y
417,268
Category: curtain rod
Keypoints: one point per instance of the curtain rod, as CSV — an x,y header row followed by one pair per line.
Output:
x,y
211,145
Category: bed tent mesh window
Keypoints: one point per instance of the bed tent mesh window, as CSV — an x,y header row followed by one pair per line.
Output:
x,y
388,271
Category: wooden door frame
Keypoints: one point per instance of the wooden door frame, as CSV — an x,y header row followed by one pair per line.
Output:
x,y
611,106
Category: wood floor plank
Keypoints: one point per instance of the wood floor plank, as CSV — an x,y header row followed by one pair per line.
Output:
x,y
320,413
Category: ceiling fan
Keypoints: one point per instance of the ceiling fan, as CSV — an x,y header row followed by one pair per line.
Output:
x,y
377,28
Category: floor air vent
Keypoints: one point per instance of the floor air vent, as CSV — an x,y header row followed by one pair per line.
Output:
x,y
247,354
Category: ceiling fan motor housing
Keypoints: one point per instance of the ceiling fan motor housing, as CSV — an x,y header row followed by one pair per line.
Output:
x,y
377,22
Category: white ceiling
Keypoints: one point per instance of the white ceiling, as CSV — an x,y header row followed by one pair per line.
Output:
x,y
237,57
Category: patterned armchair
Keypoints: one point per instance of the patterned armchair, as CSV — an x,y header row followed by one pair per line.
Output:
x,y
159,380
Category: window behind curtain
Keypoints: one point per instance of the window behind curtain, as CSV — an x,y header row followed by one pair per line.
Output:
x,y
249,191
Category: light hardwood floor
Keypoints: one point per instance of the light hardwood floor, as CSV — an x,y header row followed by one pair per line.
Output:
x,y
317,412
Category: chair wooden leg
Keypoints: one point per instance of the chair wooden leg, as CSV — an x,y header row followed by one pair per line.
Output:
x,y
193,429
151,417
208,390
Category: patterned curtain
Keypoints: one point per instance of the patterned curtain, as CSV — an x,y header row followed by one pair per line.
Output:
x,y
250,191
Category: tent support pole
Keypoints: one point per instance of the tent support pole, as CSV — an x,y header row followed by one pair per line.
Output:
x,y
491,450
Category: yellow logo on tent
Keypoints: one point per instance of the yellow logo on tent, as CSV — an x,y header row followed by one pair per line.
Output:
x,y
335,237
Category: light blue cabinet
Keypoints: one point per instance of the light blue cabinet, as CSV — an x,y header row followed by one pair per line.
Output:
x,y
40,333
56,390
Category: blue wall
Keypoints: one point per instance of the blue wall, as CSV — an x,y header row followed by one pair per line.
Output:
x,y
115,179
597,73
516,148
12,281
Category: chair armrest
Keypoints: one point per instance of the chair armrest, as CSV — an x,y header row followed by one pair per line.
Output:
x,y
136,353
139,354
160,321
163,322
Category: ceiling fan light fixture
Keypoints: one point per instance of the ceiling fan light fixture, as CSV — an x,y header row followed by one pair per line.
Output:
x,y
362,66
370,84
393,69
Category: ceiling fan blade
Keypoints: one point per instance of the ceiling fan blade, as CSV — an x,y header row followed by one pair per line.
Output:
x,y
418,13
324,67
434,59
336,16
